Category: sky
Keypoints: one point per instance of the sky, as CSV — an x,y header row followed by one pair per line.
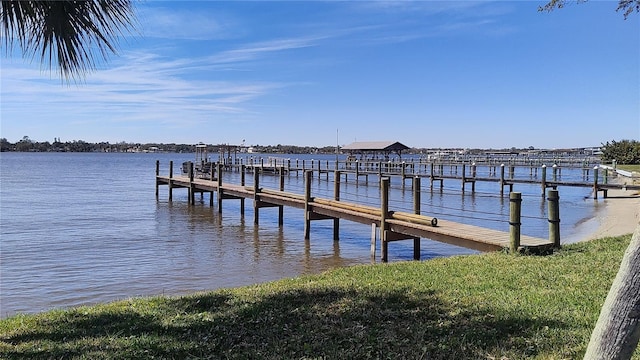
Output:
x,y
429,74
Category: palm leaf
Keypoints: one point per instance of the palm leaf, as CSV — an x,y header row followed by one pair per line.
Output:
x,y
68,34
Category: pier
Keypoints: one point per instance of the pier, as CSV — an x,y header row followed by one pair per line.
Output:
x,y
597,177
386,224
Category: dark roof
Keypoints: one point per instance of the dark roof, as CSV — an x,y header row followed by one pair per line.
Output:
x,y
375,146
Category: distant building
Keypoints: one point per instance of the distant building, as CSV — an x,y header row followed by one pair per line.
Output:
x,y
374,150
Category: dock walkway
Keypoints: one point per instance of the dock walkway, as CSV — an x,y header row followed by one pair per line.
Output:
x,y
391,225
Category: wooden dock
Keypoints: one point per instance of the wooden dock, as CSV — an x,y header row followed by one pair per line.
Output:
x,y
596,178
391,225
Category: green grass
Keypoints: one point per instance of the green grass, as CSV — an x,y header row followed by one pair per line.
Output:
x,y
635,168
489,306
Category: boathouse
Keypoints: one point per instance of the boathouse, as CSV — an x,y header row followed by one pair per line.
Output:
x,y
374,150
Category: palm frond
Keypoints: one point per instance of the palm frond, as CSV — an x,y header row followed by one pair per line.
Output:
x,y
66,33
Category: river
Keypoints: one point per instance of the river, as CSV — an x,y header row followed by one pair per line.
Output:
x,y
85,228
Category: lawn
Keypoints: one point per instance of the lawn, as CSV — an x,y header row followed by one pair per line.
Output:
x,y
488,306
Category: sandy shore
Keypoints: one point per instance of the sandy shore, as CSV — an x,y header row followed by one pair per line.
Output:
x,y
620,215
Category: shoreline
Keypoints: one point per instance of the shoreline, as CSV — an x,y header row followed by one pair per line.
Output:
x,y
618,214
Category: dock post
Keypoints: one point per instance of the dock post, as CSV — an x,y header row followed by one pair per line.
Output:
x,y
336,197
543,182
473,176
464,180
242,181
157,174
281,207
416,210
256,198
595,183
192,193
307,199
553,200
431,176
373,242
402,172
219,174
501,179
555,172
211,178
384,206
171,180
515,204
357,171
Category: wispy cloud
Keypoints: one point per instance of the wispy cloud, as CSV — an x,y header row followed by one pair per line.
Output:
x,y
185,24
136,91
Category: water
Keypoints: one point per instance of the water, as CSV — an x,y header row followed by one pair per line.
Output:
x,y
84,228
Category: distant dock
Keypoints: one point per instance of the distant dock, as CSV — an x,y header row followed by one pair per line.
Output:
x,y
597,177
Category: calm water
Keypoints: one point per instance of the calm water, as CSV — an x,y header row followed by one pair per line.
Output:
x,y
87,228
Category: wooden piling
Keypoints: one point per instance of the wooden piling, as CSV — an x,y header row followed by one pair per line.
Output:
x,y
171,180
416,210
220,190
192,196
384,206
501,179
336,197
307,199
281,207
242,183
157,182
464,180
256,197
553,202
373,241
543,181
515,204
595,183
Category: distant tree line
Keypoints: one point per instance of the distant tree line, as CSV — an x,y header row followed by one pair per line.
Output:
x,y
28,145
623,152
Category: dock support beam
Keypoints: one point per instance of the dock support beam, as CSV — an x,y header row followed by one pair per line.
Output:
x,y
384,206
543,182
192,192
553,200
242,181
416,210
157,174
595,183
515,204
171,180
373,242
281,207
256,197
336,197
307,199
501,179
219,174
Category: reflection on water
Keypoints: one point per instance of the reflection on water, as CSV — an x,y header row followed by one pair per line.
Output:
x,y
87,228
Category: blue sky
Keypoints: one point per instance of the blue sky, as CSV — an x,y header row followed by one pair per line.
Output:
x,y
428,74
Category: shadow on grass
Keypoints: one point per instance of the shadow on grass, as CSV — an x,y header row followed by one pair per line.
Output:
x,y
295,323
